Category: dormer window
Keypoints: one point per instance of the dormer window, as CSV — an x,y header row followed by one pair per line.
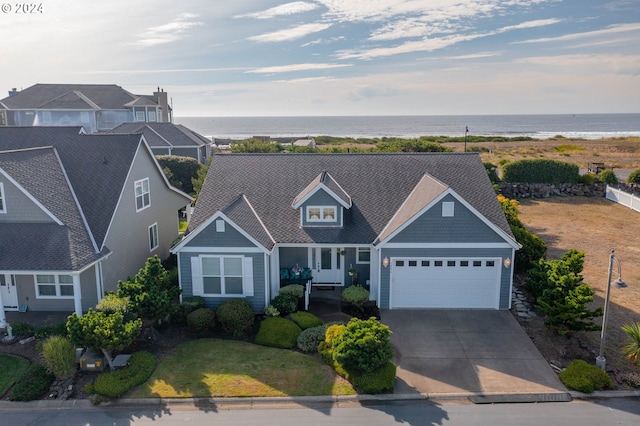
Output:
x,y
321,214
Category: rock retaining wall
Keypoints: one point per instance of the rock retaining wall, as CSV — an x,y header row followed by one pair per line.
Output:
x,y
544,190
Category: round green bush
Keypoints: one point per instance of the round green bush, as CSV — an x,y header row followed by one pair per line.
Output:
x,y
376,381
296,289
59,356
634,177
607,176
363,345
355,294
115,383
584,377
202,319
235,316
306,319
278,332
285,303
310,338
33,383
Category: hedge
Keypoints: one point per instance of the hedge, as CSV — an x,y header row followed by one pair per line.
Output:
x,y
278,332
116,383
306,319
33,383
540,171
183,169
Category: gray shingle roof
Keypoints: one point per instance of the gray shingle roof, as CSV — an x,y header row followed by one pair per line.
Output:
x,y
62,96
378,185
163,134
43,246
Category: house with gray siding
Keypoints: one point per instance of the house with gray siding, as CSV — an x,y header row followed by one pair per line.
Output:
x,y
78,213
96,107
419,230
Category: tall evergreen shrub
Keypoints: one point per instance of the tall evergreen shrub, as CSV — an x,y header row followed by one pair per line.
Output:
x,y
540,171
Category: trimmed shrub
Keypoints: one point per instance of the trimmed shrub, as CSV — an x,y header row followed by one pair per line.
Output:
x,y
533,249
634,177
22,329
201,320
540,171
59,329
306,320
492,172
181,170
190,304
35,381
607,176
296,289
116,383
285,303
278,332
356,295
310,338
59,357
376,381
584,377
587,179
363,345
235,316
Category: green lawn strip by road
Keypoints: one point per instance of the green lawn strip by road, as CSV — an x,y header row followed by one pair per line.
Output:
x,y
11,368
229,368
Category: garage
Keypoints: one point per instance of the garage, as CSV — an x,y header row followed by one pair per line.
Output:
x,y
445,283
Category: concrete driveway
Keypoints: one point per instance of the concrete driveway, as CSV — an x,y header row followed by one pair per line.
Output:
x,y
468,352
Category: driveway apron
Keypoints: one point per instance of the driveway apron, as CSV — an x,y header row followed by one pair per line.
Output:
x,y
466,351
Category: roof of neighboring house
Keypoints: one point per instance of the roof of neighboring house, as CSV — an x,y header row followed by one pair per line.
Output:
x,y
96,166
74,96
382,187
164,134
63,244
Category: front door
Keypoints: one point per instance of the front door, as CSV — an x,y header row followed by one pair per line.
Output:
x,y
9,292
327,265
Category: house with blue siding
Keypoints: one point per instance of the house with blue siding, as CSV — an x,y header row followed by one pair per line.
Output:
x,y
419,230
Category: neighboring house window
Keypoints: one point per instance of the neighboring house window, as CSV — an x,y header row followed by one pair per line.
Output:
x,y
152,116
447,209
142,194
223,276
153,237
139,115
3,203
46,116
321,214
54,286
363,255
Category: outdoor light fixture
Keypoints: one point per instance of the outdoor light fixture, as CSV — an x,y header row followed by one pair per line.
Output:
x,y
601,361
506,263
385,262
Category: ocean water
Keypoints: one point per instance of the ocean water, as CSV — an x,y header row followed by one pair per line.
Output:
x,y
586,126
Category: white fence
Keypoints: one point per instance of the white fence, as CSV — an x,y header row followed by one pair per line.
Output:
x,y
625,198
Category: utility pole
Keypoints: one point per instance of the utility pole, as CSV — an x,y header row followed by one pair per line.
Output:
x,y
466,131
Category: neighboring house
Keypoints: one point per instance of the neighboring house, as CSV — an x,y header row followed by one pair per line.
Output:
x,y
421,230
305,142
96,107
78,213
170,139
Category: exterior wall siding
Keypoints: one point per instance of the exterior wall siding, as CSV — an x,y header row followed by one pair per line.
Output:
x,y
229,238
128,236
321,198
19,207
505,276
431,227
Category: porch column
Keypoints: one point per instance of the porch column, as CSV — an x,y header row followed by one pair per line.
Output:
x,y
3,318
77,294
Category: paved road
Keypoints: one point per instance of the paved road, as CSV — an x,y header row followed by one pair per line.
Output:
x,y
605,412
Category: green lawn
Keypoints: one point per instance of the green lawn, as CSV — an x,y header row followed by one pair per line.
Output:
x,y
229,368
11,367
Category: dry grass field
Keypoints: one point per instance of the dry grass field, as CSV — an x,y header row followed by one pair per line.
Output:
x,y
595,226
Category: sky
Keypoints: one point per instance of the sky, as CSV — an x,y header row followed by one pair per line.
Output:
x,y
336,57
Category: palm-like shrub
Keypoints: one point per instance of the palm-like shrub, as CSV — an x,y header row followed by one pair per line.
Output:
x,y
631,347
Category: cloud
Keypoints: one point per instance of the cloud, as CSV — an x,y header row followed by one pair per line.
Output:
x,y
282,10
296,67
531,24
170,32
290,33
612,29
478,55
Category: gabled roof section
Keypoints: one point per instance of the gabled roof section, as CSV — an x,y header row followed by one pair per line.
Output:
x,y
379,185
160,134
427,190
70,100
324,181
101,96
41,173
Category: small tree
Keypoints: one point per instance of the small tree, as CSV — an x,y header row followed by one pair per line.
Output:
x,y
150,292
363,345
634,177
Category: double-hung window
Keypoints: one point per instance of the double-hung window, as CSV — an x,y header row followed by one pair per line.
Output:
x,y
224,275
143,199
153,237
49,286
363,255
321,214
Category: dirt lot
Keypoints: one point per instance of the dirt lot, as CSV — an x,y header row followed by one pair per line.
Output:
x,y
594,226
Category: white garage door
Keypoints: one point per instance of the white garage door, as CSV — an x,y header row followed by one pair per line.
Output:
x,y
445,283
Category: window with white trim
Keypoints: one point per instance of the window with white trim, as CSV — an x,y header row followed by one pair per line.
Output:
x,y
143,199
3,203
447,208
153,237
223,276
321,214
50,286
46,117
140,115
152,116
363,255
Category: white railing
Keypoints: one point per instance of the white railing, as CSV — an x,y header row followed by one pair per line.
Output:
x,y
625,198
